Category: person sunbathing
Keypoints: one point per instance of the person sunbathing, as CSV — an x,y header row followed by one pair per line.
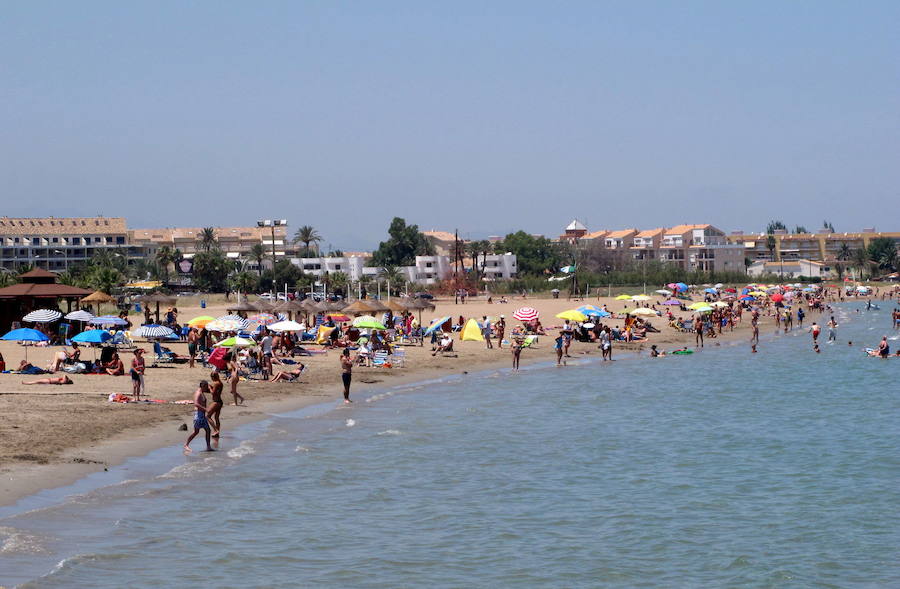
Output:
x,y
114,367
445,345
58,380
289,375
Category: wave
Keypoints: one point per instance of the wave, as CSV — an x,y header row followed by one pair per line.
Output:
x,y
18,542
243,449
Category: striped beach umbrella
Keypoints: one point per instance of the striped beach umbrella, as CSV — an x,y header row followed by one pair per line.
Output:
x,y
201,321
42,316
526,314
79,315
263,318
153,331
223,324
108,321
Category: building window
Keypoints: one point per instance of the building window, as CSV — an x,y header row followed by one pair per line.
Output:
x,y
120,240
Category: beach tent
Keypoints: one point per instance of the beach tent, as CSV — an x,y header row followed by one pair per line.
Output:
x,y
472,332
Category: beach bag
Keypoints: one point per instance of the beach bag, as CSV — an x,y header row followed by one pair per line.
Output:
x,y
77,368
217,358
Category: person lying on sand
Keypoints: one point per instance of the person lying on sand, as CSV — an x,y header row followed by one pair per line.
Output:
x,y
289,375
58,380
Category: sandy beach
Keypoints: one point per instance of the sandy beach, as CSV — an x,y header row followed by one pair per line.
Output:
x,y
53,435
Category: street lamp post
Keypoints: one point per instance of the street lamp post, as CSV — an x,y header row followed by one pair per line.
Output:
x,y
272,223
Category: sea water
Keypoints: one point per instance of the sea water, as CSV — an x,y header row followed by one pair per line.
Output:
x,y
724,468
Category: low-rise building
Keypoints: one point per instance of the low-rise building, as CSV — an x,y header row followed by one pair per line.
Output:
x,y
500,266
622,239
790,269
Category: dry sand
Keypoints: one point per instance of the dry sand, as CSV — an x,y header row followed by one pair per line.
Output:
x,y
52,435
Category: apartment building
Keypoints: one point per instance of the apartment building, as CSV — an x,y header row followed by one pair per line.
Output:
x,y
622,239
236,242
645,244
823,246
55,243
790,269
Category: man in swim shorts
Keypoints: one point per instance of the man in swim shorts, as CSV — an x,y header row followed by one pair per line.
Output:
x,y
200,421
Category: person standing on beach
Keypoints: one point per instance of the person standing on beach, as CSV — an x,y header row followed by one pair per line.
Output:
x,y
200,421
234,376
754,324
486,331
604,344
266,345
516,352
698,330
216,407
500,327
137,374
346,373
192,339
567,332
558,346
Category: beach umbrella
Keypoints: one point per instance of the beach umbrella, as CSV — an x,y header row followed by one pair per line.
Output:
x,y
777,298
697,305
368,322
152,331
681,287
663,291
718,285
93,336
747,297
641,297
227,325
263,318
235,342
672,302
644,312
706,309
711,290
758,293
592,311
436,325
108,321
25,334
231,317
42,316
338,317
719,304
286,326
526,314
734,290
79,315
393,304
241,306
572,315
623,297
201,321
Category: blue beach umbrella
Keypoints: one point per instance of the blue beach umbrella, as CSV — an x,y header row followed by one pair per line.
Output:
x,y
711,291
25,334
682,287
436,324
592,311
94,336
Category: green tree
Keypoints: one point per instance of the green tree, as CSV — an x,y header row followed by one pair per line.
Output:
x,y
105,278
393,276
211,270
405,242
771,244
827,225
800,229
244,282
8,278
285,273
861,262
164,256
258,254
534,255
307,235
338,283
207,238
774,226
882,252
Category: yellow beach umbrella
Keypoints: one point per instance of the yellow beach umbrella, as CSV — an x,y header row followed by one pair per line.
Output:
x,y
641,297
623,297
698,305
758,293
201,321
572,315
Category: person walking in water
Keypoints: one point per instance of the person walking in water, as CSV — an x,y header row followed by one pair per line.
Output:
x,y
200,421
815,329
832,329
215,408
346,373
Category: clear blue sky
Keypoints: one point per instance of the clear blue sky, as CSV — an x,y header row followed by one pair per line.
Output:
x,y
486,116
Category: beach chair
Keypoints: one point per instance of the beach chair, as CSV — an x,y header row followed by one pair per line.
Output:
x,y
398,358
161,355
530,341
122,340
380,359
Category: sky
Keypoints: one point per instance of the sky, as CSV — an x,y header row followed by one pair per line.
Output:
x,y
486,117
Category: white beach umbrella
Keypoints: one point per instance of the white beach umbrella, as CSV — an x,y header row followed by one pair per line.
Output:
x,y
286,326
42,316
79,315
153,331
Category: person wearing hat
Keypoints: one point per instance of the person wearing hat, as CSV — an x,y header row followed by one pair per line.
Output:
x,y
137,374
500,328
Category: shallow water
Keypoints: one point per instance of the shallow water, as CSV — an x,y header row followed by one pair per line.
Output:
x,y
717,469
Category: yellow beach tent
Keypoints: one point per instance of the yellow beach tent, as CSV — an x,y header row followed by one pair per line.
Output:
x,y
472,332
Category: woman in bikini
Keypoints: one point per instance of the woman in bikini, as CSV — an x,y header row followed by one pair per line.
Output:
x,y
215,408
234,377
58,380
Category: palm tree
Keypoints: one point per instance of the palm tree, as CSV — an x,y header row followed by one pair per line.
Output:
x,y
485,247
258,254
771,244
861,261
207,238
307,235
244,282
393,276
473,248
105,278
164,256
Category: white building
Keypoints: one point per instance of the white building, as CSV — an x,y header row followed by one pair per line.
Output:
x,y
354,266
430,269
790,269
500,266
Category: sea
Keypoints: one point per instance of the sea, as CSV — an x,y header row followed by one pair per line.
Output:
x,y
718,469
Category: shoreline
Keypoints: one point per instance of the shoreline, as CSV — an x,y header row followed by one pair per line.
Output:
x,y
23,480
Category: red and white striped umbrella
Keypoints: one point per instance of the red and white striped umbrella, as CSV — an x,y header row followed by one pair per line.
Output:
x,y
526,314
